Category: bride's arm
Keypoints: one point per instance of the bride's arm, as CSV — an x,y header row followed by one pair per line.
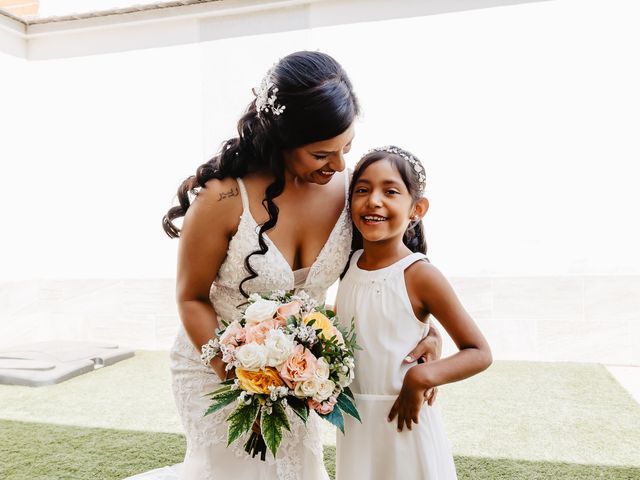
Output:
x,y
428,349
208,225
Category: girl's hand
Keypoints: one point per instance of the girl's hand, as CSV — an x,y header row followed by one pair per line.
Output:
x,y
410,400
427,350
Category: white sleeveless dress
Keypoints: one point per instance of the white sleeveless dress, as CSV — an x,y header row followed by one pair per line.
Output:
x,y
207,457
387,330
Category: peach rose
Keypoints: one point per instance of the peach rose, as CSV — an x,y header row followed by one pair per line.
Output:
x,y
323,408
233,335
327,407
258,332
260,381
323,323
300,366
285,311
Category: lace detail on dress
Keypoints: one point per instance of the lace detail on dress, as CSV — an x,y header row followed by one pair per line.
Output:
x,y
191,380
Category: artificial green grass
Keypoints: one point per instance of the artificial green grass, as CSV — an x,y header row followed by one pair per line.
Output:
x,y
473,468
518,420
552,412
34,451
40,451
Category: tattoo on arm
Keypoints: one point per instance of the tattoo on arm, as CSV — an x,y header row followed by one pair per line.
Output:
x,y
233,192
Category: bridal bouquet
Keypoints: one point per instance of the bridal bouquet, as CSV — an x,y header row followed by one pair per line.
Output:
x,y
288,354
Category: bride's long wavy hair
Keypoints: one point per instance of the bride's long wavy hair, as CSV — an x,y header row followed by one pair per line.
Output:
x,y
319,104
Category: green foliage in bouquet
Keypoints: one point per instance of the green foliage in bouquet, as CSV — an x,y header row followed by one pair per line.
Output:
x,y
242,419
223,396
272,424
261,345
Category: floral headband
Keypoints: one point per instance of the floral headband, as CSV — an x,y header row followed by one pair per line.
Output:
x,y
415,163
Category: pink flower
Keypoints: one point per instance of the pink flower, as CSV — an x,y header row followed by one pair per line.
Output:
x,y
228,353
285,311
259,332
300,366
323,408
234,335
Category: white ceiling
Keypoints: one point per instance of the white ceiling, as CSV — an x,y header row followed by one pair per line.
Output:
x,y
69,9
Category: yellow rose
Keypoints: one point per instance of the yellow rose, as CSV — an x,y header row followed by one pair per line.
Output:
x,y
260,381
324,324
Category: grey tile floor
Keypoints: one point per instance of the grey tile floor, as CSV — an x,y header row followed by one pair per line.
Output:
x,y
594,319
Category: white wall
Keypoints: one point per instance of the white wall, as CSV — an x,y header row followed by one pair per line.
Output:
x,y
14,133
94,163
528,138
12,41
526,117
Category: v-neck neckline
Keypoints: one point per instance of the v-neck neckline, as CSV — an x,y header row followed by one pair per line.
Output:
x,y
280,254
247,211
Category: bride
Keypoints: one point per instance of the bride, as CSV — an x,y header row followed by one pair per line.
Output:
x,y
269,212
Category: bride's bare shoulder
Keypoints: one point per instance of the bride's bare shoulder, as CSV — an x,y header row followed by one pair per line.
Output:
x,y
218,204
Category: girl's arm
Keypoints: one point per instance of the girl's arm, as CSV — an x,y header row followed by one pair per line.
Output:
x,y
433,292
208,225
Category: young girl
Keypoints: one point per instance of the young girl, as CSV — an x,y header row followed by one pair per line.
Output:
x,y
391,289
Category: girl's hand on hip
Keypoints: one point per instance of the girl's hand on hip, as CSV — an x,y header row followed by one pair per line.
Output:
x,y
427,350
409,402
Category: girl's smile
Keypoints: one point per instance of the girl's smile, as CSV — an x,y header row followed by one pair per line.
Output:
x,y
381,204
373,219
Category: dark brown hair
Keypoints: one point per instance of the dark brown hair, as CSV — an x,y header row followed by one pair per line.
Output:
x,y
319,104
414,235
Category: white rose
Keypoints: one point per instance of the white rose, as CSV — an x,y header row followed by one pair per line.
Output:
x,y
345,380
308,388
325,391
259,311
279,346
322,369
252,356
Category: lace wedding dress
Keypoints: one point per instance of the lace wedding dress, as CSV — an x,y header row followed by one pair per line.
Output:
x,y
208,457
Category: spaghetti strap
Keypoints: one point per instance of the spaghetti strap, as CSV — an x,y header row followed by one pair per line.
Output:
x,y
243,195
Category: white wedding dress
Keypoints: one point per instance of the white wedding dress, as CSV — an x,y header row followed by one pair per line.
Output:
x,y
208,457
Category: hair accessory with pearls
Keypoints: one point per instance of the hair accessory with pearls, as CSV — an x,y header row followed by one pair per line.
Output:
x,y
266,96
415,163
